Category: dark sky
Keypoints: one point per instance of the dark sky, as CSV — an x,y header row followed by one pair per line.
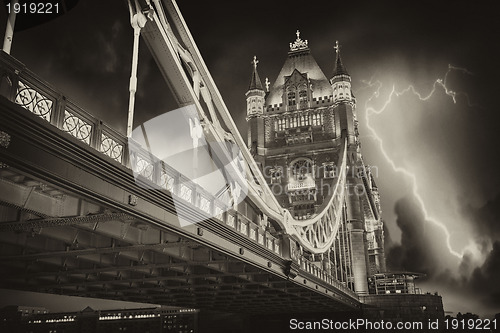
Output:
x,y
436,158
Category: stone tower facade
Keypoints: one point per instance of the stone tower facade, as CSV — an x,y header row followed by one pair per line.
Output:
x,y
296,132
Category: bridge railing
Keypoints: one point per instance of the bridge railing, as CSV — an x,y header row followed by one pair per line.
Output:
x,y
26,89
23,87
313,269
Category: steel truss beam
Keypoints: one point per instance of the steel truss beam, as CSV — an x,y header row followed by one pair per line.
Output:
x,y
63,221
77,253
28,199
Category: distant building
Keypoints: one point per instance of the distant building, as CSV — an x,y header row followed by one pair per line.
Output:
x,y
14,313
394,283
148,320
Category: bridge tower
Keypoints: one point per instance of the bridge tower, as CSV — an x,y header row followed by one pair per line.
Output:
x,y
344,104
298,139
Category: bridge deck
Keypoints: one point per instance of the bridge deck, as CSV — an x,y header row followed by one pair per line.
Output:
x,y
75,222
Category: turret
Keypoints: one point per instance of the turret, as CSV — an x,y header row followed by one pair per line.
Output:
x,y
255,108
345,105
341,81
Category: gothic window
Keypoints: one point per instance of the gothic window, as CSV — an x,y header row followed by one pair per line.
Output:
x,y
291,98
280,124
328,170
303,96
276,174
303,120
302,169
316,119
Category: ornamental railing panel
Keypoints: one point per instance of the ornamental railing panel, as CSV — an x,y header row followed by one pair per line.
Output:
x,y
34,101
77,124
112,144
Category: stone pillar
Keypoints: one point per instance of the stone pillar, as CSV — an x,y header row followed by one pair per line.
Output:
x,y
355,226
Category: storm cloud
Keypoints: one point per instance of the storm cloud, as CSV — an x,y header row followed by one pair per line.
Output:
x,y
419,252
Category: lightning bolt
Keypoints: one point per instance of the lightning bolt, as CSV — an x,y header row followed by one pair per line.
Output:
x,y
411,89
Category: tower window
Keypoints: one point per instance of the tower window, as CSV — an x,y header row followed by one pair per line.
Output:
x,y
280,124
316,119
276,174
305,120
303,96
302,169
291,98
328,170
300,178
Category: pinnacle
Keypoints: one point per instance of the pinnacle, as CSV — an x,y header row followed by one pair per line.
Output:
x,y
255,82
339,68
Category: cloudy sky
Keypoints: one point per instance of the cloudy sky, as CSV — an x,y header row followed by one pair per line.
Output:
x,y
425,77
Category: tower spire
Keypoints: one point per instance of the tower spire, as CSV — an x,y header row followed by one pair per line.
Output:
x,y
255,82
341,80
339,68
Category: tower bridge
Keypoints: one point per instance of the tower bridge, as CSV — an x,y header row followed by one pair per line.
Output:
x,y
90,212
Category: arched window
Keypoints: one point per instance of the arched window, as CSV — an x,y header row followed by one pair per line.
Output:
x,y
303,96
328,170
306,120
291,98
281,126
316,119
276,174
302,170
